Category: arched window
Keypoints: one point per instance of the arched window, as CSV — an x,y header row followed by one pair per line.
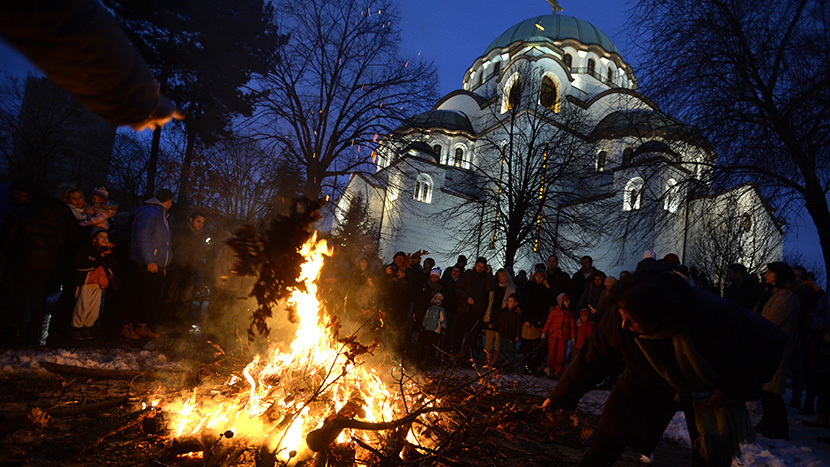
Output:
x,y
437,150
592,66
459,158
601,158
633,195
568,60
746,222
671,199
610,75
548,97
511,92
423,189
496,68
514,95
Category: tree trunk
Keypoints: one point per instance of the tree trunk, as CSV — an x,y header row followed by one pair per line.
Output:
x,y
152,164
816,204
187,164
313,187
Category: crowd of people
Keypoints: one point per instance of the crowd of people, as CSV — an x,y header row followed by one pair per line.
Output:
x,y
585,329
541,323
79,249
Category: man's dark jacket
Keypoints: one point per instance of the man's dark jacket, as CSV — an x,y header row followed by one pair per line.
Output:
x,y
477,286
743,347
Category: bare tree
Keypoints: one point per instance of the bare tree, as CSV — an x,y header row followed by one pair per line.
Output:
x,y
50,139
733,228
753,77
340,82
241,182
204,55
531,165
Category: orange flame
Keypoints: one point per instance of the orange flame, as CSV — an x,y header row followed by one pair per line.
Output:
x,y
292,391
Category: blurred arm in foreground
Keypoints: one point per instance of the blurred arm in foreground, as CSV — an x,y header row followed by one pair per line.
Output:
x,y
80,47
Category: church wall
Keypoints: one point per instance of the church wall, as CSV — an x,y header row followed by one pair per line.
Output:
x,y
409,225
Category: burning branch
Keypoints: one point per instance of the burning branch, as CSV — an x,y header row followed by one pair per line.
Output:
x,y
318,439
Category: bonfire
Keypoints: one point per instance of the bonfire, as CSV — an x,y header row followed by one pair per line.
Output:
x,y
315,394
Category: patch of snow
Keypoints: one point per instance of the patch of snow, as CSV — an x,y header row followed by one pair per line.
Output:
x,y
28,361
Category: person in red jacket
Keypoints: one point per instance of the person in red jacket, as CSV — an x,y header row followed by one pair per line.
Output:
x,y
584,328
560,328
92,264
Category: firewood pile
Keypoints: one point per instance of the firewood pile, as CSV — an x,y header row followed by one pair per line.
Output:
x,y
489,420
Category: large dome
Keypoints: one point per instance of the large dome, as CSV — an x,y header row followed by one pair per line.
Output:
x,y
554,28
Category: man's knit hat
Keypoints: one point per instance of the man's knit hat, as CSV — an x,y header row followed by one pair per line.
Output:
x,y
164,195
435,272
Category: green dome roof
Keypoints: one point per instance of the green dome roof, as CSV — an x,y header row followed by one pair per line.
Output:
x,y
556,27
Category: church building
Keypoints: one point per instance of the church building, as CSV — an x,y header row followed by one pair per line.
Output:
x,y
549,147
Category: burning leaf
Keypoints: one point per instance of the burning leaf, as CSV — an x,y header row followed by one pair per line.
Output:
x,y
586,432
273,256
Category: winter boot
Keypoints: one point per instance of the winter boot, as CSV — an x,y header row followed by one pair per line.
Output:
x,y
127,332
144,331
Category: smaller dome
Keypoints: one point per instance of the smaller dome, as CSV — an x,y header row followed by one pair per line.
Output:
x,y
643,123
445,119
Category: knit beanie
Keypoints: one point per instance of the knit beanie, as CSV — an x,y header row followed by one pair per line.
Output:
x,y
435,272
94,233
101,192
560,299
164,195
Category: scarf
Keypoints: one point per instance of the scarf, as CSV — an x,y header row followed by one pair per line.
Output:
x,y
77,212
722,429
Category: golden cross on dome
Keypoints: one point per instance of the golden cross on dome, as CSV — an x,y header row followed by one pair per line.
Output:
x,y
554,4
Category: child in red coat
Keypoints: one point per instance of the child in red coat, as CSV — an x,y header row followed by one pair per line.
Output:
x,y
584,328
560,328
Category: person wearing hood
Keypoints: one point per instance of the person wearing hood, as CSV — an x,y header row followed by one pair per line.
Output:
x,y
150,254
560,329
780,305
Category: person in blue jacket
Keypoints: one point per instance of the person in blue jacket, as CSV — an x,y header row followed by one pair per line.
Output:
x,y
150,254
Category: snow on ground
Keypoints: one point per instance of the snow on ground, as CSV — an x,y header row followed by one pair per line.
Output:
x,y
801,450
28,361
